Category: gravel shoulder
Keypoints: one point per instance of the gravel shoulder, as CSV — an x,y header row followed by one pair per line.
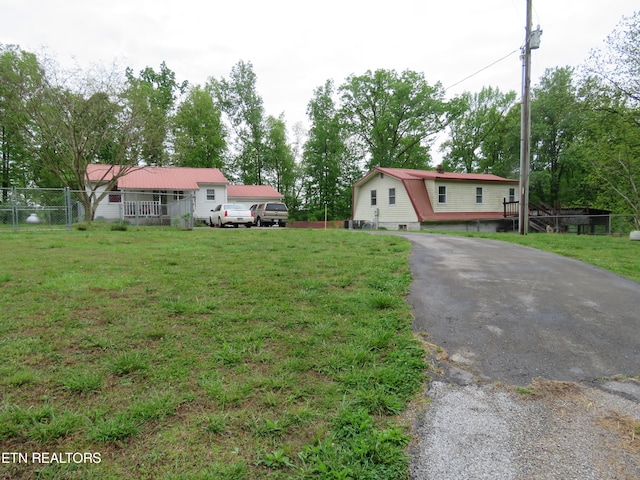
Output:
x,y
559,430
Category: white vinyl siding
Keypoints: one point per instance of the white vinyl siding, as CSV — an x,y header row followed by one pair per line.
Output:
x,y
400,212
106,209
204,202
462,196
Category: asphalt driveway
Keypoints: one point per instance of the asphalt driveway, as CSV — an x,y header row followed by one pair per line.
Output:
x,y
511,313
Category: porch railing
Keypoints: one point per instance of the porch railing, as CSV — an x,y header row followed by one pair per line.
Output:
x,y
146,208
511,208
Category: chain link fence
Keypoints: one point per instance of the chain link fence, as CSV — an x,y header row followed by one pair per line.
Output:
x,y
59,208
37,208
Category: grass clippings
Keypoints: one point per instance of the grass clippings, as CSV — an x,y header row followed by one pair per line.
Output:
x,y
627,429
545,388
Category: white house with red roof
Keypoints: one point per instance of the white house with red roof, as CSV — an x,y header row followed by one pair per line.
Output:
x,y
405,199
154,193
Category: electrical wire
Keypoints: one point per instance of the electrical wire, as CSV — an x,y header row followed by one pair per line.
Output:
x,y
483,69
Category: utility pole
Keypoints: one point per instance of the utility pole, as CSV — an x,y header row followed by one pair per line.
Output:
x,y
532,41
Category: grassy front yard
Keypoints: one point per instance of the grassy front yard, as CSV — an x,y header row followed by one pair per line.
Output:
x,y
216,354
208,354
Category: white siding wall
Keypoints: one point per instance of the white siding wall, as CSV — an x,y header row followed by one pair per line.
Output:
x,y
461,196
204,206
400,213
106,209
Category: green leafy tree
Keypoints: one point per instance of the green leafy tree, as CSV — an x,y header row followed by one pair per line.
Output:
x,y
480,120
295,198
155,95
199,136
279,158
243,107
555,124
20,74
69,129
612,100
326,176
610,146
394,116
501,146
617,64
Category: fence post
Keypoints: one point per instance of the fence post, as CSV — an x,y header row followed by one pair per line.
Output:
x,y
68,208
14,209
192,212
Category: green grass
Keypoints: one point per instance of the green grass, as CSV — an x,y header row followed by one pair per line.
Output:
x,y
616,254
207,354
218,354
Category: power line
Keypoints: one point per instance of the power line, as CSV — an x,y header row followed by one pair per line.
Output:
x,y
483,69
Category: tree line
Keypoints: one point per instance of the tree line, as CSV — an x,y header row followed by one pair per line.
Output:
x,y
585,139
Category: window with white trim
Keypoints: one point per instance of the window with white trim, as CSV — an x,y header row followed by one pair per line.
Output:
x,y
392,196
478,194
211,194
442,194
374,198
512,194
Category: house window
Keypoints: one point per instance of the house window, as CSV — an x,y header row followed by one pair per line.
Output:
x,y
178,195
512,194
478,194
392,196
116,196
442,194
211,194
374,198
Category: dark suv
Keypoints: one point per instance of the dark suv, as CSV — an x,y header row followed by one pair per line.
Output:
x,y
270,213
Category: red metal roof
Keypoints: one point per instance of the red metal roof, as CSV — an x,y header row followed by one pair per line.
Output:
x,y
417,191
257,191
157,178
409,174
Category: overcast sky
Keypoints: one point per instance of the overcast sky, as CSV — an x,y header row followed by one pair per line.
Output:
x,y
296,45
